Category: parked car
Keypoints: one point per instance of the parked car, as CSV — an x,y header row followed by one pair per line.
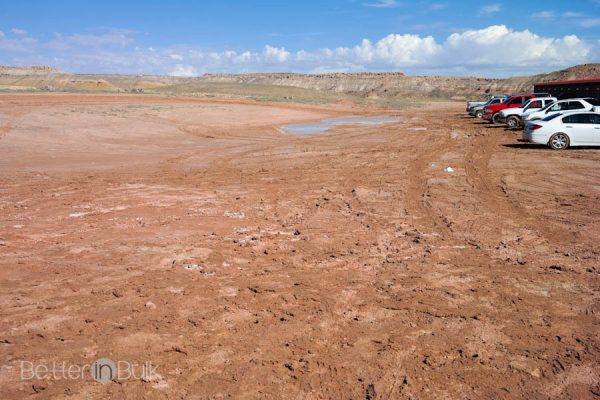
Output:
x,y
560,105
563,129
481,103
512,116
492,111
477,111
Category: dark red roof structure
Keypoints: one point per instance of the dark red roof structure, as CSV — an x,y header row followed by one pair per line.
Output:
x,y
566,82
565,89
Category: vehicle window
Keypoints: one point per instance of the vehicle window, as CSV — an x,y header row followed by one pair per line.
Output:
x,y
548,105
574,105
595,119
517,100
578,119
556,107
496,101
551,117
594,102
535,104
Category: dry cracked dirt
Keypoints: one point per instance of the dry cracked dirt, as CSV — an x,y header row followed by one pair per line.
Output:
x,y
246,263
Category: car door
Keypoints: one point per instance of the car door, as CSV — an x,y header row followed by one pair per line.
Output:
x,y
595,136
533,105
580,128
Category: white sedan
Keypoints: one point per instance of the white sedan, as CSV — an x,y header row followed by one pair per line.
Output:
x,y
561,130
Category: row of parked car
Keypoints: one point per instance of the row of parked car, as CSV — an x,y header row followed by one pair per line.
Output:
x,y
545,119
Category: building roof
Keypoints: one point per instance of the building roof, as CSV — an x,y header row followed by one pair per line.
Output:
x,y
567,82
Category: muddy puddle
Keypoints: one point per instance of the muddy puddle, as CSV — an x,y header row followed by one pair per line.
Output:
x,y
326,125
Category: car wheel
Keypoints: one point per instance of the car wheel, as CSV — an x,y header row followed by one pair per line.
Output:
x,y
479,114
559,141
495,118
512,122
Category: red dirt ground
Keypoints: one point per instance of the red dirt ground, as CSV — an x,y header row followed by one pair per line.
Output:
x,y
245,263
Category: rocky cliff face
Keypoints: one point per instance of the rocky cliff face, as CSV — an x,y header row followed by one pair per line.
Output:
x,y
21,71
399,85
391,85
363,85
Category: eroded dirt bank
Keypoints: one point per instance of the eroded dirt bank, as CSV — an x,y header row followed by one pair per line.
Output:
x,y
249,264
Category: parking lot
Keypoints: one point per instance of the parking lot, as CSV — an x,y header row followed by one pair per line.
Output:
x,y
566,115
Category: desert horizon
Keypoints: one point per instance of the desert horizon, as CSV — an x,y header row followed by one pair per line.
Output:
x,y
376,87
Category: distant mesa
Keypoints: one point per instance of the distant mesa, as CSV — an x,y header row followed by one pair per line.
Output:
x,y
380,86
32,70
291,75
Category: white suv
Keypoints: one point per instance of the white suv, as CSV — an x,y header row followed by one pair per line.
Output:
x,y
512,116
583,104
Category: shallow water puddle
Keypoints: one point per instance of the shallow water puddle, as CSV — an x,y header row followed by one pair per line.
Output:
x,y
327,124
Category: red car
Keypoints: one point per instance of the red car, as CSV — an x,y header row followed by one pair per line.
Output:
x,y
492,112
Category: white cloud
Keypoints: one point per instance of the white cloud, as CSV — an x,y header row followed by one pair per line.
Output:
x,y
500,46
396,50
383,4
184,70
546,14
276,54
18,32
18,43
107,36
492,51
571,14
491,9
244,57
590,22
438,6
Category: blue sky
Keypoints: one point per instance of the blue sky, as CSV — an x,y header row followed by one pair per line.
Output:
x,y
194,37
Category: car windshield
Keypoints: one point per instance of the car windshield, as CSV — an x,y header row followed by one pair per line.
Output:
x,y
526,104
551,117
548,106
507,100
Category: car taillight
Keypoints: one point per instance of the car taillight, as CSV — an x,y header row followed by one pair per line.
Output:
x,y
533,127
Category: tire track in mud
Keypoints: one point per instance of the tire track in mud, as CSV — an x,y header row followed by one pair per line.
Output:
x,y
491,196
497,199
7,126
417,202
